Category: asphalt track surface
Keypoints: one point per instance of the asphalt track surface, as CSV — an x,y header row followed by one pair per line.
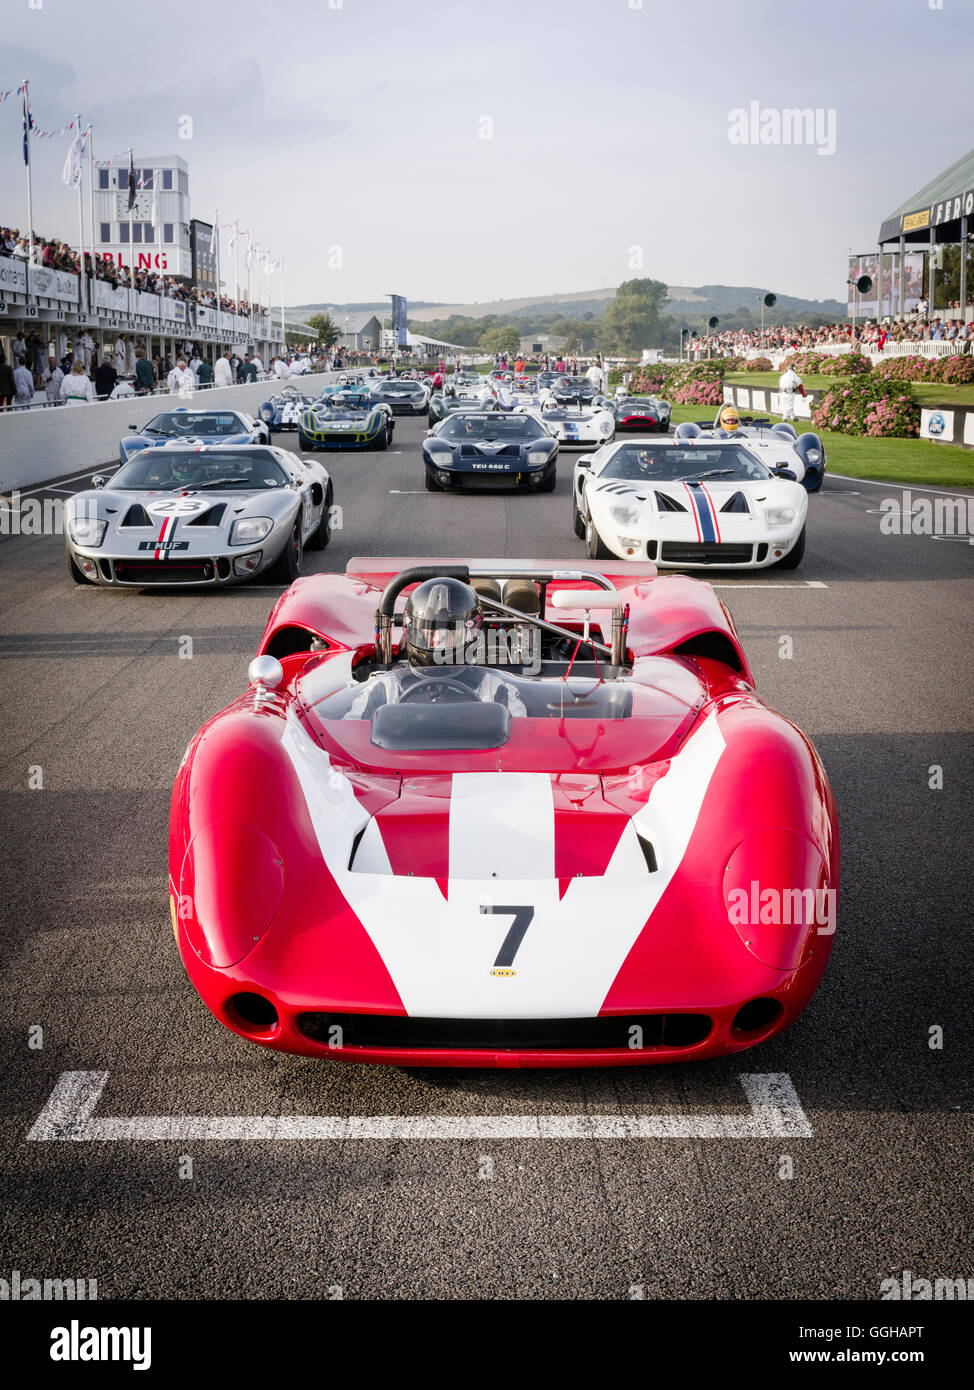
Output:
x,y
96,695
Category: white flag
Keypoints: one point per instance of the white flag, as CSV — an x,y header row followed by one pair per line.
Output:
x,y
72,164
233,238
250,250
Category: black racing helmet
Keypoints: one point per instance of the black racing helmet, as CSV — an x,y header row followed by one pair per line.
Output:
x,y
441,620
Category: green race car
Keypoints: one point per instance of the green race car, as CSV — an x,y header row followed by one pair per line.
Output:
x,y
346,420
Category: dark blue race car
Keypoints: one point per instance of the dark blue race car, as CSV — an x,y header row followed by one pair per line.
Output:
x,y
194,427
481,449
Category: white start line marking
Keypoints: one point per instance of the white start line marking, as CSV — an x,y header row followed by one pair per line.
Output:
x,y
775,1113
799,584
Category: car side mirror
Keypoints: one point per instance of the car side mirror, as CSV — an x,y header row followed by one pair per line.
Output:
x,y
134,427
782,471
584,462
98,481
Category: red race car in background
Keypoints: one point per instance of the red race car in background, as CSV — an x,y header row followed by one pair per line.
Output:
x,y
588,842
646,414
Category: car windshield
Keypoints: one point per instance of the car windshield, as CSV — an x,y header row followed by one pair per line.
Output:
x,y
664,463
180,470
195,422
637,402
483,425
411,388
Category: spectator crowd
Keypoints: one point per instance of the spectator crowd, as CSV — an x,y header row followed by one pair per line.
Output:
x,y
58,255
920,326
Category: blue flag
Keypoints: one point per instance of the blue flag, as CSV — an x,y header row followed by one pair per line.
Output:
x,y
28,125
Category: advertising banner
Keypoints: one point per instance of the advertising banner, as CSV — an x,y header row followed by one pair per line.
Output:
x,y
399,319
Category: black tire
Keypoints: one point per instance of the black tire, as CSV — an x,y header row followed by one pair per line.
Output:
x,y
578,521
382,442
304,443
287,566
595,549
431,484
793,559
549,483
321,535
75,573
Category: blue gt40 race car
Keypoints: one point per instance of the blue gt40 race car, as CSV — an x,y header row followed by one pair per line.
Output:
x,y
194,427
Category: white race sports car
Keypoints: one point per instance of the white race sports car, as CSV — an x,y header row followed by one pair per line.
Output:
x,y
777,445
688,504
585,426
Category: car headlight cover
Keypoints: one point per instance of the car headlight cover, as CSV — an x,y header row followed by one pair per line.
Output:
x,y
813,456
249,529
605,426
87,530
537,456
780,516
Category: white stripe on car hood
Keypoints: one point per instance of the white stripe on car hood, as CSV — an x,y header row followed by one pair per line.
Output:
x,y
439,952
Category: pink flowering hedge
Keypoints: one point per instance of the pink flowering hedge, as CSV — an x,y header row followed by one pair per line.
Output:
x,y
683,383
870,405
827,364
953,369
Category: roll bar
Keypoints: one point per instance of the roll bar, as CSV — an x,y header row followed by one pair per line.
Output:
x,y
418,574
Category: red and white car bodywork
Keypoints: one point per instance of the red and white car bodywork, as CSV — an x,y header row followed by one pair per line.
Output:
x,y
569,897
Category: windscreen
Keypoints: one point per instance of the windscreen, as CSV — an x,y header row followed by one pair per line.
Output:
x,y
195,422
665,463
178,470
470,427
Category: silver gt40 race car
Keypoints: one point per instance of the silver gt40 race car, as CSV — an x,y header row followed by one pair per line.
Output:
x,y
213,514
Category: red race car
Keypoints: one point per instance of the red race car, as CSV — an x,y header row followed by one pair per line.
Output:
x,y
502,813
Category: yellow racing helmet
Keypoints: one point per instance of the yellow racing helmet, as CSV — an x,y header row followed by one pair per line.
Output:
x,y
728,418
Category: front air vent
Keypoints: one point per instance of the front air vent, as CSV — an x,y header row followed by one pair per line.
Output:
x,y
603,1034
211,518
136,516
666,503
736,503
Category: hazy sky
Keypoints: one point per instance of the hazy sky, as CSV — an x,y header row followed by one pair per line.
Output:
x,y
359,125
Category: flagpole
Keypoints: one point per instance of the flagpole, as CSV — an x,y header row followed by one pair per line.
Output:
x,y
91,201
131,156
236,270
82,279
30,209
216,242
283,329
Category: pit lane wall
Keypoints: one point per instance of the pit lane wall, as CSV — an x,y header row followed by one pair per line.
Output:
x,y
40,445
944,424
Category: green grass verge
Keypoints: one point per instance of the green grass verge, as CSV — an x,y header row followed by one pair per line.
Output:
x,y
893,460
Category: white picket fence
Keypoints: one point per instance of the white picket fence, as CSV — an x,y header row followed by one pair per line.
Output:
x,y
936,349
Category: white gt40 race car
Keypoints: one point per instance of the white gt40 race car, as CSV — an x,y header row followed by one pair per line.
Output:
x,y
585,426
688,504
